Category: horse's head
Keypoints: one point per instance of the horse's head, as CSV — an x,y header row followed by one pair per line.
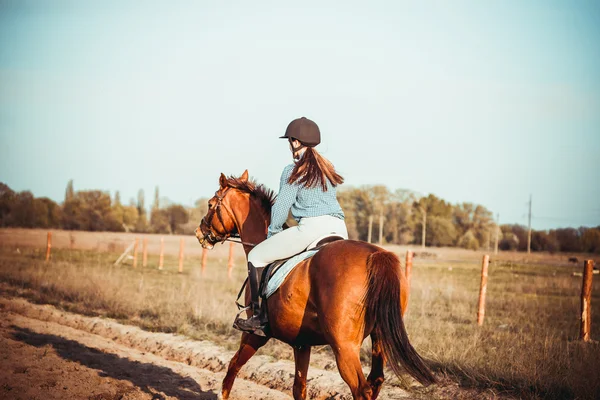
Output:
x,y
219,222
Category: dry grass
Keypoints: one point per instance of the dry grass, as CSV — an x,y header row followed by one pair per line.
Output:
x,y
527,347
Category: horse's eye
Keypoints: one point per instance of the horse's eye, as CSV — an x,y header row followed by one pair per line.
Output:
x,y
209,205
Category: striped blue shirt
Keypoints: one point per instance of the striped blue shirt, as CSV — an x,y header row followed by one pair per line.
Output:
x,y
303,201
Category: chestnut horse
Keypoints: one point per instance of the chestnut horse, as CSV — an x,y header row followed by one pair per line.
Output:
x,y
347,291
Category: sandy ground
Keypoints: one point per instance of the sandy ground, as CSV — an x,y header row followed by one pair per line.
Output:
x,y
47,353
46,360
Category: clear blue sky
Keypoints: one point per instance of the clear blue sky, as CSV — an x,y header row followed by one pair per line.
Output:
x,y
483,102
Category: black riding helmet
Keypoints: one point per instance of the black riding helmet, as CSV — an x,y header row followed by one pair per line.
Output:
x,y
304,130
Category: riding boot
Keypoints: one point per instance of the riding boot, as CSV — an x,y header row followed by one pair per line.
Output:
x,y
257,322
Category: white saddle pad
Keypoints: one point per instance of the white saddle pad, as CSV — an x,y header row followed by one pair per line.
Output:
x,y
282,273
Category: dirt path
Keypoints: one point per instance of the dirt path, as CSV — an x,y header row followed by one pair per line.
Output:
x,y
47,353
46,360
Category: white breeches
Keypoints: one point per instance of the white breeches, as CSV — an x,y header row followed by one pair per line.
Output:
x,y
295,239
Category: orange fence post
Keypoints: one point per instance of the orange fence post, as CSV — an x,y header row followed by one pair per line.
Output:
x,y
586,298
135,251
161,258
483,289
230,262
204,255
48,246
145,253
409,261
181,255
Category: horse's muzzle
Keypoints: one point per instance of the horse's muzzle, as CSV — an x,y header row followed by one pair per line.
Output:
x,y
202,239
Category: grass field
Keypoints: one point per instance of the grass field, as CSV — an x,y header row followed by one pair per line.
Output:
x,y
527,348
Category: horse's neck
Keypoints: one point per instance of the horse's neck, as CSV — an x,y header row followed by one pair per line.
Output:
x,y
253,223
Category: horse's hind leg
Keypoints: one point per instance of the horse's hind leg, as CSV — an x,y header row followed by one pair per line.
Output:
x,y
302,359
376,377
250,344
348,362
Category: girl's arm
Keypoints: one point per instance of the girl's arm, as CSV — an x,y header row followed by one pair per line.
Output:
x,y
285,199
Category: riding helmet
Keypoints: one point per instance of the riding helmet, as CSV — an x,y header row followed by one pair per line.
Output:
x,y
303,130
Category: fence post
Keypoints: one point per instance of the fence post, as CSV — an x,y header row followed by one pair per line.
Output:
x,y
586,297
409,262
48,246
230,261
161,258
135,251
204,255
483,289
181,255
145,253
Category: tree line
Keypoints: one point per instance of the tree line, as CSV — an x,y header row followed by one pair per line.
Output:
x,y
405,216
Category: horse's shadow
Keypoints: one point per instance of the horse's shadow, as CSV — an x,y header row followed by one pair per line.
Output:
x,y
143,375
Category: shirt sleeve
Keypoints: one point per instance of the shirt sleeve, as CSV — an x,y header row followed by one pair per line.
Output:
x,y
285,199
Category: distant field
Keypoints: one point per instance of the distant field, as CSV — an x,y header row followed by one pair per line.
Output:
x,y
527,348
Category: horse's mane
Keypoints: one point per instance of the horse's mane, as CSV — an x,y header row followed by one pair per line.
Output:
x,y
265,195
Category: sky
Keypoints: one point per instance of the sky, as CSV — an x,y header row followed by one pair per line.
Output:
x,y
483,102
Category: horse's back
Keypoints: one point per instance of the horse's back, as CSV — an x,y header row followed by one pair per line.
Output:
x,y
326,290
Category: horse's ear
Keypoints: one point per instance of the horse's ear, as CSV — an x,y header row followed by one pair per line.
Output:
x,y
244,177
223,181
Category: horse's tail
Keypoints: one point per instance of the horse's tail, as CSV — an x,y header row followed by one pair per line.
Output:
x,y
383,305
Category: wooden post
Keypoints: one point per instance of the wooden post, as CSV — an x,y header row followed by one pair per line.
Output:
x,y
586,297
135,251
161,258
230,261
483,289
370,228
204,255
48,246
181,255
145,253
409,260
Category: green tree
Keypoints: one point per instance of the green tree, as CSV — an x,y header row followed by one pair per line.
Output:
x,y
90,211
7,203
156,204
159,221
142,221
177,216
69,192
440,232
468,241
590,240
569,239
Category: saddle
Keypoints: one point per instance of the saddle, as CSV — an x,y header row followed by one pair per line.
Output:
x,y
272,268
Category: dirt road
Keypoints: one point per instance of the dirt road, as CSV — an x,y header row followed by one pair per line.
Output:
x,y
46,360
46,353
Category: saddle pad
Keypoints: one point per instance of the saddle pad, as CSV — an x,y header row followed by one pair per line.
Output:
x,y
283,271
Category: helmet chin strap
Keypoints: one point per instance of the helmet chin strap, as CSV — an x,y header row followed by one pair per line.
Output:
x,y
295,150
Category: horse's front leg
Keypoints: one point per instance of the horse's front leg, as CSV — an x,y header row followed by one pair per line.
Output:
x,y
302,359
249,345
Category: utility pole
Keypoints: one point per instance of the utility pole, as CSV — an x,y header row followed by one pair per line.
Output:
x,y
497,233
381,228
529,234
424,223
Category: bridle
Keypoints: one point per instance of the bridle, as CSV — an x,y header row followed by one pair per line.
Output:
x,y
218,237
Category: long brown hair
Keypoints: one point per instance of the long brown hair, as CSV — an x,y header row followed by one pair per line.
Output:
x,y
314,170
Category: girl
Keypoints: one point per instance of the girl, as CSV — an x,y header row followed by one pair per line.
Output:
x,y
308,189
